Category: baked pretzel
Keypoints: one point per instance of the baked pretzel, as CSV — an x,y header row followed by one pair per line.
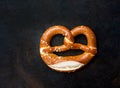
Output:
x,y
67,63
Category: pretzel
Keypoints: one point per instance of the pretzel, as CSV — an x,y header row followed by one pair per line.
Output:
x,y
67,63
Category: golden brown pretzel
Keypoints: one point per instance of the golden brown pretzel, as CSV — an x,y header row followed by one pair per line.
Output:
x,y
67,63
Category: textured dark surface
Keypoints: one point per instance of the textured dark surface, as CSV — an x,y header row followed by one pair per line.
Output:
x,y
22,23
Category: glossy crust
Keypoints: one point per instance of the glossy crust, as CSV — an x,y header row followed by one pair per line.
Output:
x,y
46,51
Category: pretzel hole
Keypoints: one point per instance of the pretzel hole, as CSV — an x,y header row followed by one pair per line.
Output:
x,y
81,39
69,53
57,40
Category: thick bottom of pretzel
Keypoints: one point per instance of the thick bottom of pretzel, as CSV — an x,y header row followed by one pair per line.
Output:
x,y
67,66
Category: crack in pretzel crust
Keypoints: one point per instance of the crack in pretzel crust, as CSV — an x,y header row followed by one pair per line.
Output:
x,y
67,66
67,63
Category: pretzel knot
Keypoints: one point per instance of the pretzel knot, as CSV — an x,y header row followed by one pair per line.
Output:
x,y
67,63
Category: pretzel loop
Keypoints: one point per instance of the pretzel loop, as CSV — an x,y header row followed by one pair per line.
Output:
x,y
91,46
68,40
58,62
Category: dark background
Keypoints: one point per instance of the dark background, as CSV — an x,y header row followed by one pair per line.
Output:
x,y
22,23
